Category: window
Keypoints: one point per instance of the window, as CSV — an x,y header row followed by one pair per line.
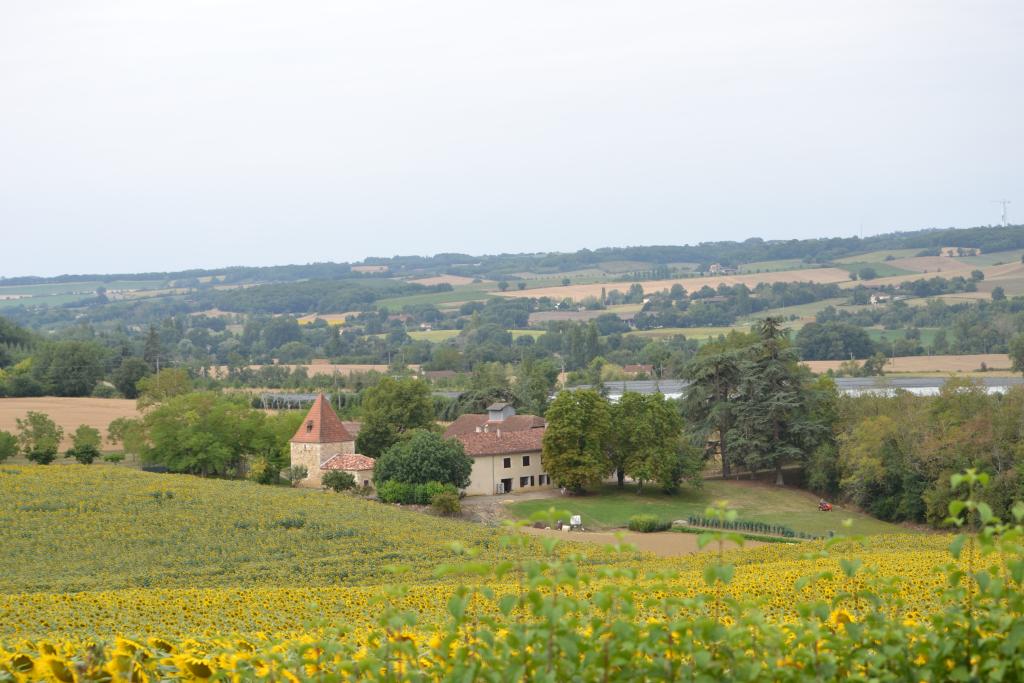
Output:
x,y
531,480
543,480
524,482
526,461
506,463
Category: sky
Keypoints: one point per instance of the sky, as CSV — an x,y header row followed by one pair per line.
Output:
x,y
163,135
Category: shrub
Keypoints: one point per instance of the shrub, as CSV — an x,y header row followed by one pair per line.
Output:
x,y
104,390
295,474
114,457
8,445
396,492
338,481
447,503
392,491
645,524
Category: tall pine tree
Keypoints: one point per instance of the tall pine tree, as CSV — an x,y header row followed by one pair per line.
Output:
x,y
773,418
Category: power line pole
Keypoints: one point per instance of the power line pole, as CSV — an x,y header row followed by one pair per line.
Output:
x,y
1003,202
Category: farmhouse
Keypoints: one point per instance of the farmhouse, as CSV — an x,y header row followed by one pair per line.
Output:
x,y
505,448
323,443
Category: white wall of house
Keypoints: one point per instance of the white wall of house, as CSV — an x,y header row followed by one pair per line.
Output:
x,y
489,471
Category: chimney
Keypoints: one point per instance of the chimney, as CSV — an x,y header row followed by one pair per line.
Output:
x,y
486,428
479,429
499,432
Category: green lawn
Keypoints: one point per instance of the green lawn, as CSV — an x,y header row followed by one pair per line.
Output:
x,y
887,337
881,268
699,333
755,502
433,335
994,258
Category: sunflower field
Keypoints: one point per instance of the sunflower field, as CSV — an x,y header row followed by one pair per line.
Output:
x,y
115,575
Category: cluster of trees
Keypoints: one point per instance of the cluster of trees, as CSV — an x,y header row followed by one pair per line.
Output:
x,y
728,303
893,455
962,328
39,439
641,437
754,404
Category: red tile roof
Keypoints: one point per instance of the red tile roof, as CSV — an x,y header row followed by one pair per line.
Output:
x,y
352,462
467,424
321,425
501,442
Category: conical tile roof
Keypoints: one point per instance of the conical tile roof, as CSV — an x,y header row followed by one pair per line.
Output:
x,y
321,425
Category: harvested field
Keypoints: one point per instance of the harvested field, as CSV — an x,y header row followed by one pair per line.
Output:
x,y
329,318
67,412
943,364
315,369
578,292
931,264
369,269
453,280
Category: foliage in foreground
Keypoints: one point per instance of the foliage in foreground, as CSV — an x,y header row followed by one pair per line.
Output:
x,y
560,623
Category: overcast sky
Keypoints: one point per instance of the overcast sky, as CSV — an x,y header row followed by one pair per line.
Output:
x,y
142,135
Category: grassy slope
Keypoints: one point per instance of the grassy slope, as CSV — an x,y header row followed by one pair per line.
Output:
x,y
754,501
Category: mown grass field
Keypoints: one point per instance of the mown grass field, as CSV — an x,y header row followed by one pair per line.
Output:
x,y
769,266
611,508
460,294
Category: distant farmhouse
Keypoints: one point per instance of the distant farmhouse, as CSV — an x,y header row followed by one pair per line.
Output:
x,y
505,448
323,443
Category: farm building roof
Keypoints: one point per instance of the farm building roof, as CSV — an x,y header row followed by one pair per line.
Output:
x,y
468,424
352,462
321,425
501,442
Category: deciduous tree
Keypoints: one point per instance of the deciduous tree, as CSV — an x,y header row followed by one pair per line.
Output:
x,y
85,444
391,408
576,439
424,456
39,437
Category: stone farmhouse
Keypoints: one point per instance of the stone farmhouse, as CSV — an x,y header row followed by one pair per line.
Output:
x,y
323,443
505,448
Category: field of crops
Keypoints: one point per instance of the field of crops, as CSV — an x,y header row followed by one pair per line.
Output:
x,y
112,574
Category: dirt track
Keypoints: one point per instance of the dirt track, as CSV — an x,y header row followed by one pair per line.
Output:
x,y
663,544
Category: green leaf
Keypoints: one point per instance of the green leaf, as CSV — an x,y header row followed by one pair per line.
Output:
x,y
1018,511
957,546
850,567
985,512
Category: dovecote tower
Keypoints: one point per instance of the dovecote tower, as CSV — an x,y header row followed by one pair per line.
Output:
x,y
320,437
